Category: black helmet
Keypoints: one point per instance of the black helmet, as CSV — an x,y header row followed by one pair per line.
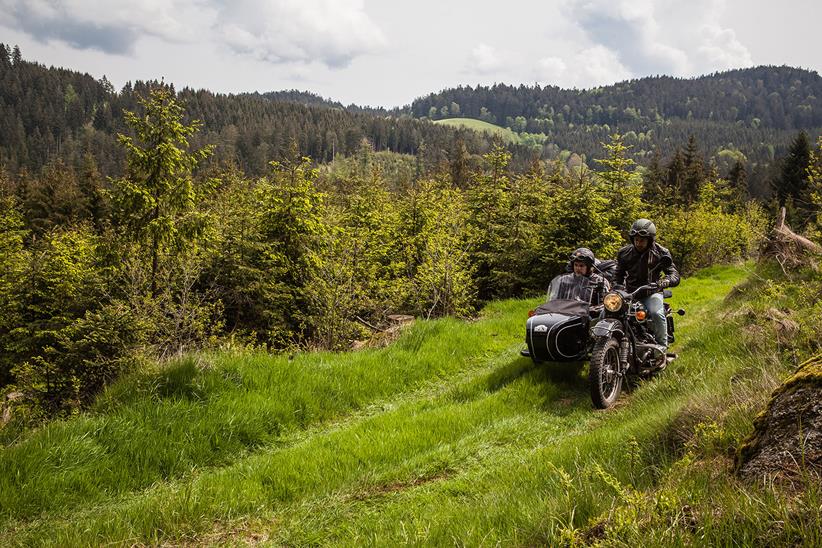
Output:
x,y
584,255
644,228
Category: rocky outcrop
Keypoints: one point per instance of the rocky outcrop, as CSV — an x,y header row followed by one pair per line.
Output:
x,y
786,443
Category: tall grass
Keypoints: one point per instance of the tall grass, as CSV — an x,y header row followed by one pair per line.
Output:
x,y
447,437
211,410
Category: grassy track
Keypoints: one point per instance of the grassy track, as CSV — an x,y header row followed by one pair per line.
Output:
x,y
446,437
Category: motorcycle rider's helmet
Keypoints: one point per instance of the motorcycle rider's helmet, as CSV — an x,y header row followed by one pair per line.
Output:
x,y
643,228
585,255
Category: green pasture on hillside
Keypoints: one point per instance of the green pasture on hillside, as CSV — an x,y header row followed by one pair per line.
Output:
x,y
479,125
446,437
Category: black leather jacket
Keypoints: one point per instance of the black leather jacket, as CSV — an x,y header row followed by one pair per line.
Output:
x,y
635,269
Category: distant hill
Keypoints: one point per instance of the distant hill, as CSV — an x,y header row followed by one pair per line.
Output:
x,y
756,111
306,98
48,113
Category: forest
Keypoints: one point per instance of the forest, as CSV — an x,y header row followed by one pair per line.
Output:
x,y
142,224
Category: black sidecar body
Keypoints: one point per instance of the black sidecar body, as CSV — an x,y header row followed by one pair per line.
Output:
x,y
558,331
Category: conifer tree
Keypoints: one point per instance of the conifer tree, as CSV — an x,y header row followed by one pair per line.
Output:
x,y
488,203
653,180
791,186
155,203
619,184
675,179
291,229
738,184
694,173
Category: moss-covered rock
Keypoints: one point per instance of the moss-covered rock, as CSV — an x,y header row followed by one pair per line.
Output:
x,y
787,439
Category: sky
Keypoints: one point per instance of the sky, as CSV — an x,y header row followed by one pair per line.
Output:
x,y
387,53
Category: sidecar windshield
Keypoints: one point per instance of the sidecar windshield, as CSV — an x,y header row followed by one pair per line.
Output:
x,y
565,307
571,287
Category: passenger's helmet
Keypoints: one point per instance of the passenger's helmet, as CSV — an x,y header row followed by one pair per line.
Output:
x,y
583,254
644,228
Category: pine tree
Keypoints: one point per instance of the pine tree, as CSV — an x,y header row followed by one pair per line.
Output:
x,y
488,203
791,186
155,203
620,185
675,179
813,193
694,172
653,181
738,183
291,229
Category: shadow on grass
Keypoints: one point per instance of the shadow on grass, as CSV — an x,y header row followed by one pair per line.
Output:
x,y
508,373
566,386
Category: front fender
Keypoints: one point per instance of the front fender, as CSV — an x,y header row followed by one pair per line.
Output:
x,y
607,328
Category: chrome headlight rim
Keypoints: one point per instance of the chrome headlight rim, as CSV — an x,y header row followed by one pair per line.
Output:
x,y
613,301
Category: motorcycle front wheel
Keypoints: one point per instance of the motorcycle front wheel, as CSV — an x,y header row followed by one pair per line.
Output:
x,y
604,377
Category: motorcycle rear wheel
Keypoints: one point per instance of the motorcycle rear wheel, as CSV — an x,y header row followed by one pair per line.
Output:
x,y
603,375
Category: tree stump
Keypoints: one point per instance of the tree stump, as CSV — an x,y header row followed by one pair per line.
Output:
x,y
789,249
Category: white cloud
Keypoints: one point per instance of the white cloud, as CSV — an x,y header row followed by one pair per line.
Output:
x,y
332,32
112,26
485,60
589,67
551,70
662,37
720,49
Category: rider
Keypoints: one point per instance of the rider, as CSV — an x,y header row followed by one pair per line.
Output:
x,y
583,284
646,262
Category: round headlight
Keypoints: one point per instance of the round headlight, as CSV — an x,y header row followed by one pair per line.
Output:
x,y
612,302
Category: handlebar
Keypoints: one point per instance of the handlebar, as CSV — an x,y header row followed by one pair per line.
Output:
x,y
643,288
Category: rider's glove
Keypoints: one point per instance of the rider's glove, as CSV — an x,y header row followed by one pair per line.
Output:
x,y
663,283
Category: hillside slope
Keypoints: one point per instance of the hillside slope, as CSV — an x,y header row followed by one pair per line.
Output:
x,y
446,436
505,134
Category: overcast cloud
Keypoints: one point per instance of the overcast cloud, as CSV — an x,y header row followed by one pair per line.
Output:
x,y
388,53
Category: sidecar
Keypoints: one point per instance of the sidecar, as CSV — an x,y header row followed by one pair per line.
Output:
x,y
558,332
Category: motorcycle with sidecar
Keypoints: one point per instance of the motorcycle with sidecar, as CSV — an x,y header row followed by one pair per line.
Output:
x,y
613,336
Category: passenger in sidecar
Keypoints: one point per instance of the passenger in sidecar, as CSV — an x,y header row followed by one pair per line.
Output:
x,y
558,329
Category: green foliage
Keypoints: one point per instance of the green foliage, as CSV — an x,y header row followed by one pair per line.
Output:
x,y
155,204
622,185
528,201
791,187
711,230
291,228
578,214
813,194
12,268
441,283
489,209
63,343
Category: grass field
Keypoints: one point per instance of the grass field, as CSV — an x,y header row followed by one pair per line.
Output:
x,y
479,125
446,437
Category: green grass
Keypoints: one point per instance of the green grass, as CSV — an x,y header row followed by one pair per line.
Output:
x,y
479,125
448,436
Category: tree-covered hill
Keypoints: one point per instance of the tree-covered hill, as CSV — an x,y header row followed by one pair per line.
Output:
x,y
48,113
756,110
